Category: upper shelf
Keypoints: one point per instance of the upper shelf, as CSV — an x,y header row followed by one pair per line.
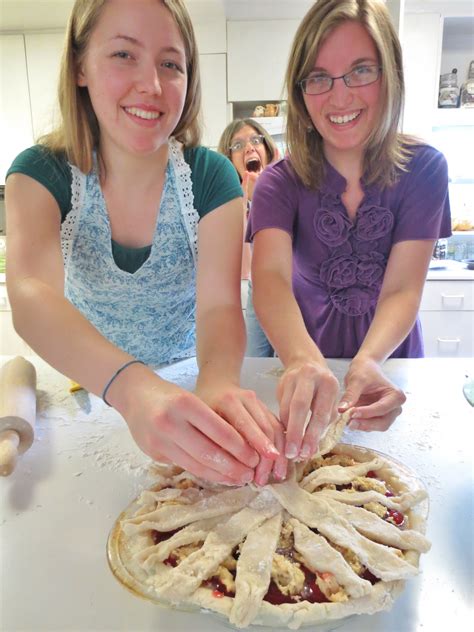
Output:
x,y
449,117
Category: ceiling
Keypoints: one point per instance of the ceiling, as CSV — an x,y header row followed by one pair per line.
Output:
x,y
19,15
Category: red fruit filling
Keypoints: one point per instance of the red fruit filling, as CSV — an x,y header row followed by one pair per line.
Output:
x,y
160,536
397,517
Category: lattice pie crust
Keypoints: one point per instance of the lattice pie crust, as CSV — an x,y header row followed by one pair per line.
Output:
x,y
339,537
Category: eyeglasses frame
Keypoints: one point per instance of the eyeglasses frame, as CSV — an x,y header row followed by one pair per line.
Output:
x,y
302,82
260,136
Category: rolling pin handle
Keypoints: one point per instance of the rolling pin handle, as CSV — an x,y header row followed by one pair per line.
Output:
x,y
9,442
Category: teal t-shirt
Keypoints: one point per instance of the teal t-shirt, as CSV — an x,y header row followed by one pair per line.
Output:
x,y
214,179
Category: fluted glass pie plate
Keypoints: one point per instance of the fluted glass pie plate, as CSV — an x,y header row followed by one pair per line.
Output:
x,y
120,554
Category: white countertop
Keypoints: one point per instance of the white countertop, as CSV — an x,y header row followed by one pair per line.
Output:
x,y
83,469
449,270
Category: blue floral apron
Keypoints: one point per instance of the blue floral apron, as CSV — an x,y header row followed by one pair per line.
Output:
x,y
150,313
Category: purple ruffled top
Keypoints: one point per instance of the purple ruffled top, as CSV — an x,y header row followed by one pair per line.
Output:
x,y
339,263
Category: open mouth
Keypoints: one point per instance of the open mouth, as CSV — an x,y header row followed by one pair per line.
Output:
x,y
253,164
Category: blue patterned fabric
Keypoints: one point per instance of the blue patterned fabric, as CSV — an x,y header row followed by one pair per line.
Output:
x,y
150,313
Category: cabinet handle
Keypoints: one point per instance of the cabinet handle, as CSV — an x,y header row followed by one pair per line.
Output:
x,y
449,341
452,297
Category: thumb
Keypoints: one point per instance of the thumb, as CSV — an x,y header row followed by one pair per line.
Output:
x,y
350,397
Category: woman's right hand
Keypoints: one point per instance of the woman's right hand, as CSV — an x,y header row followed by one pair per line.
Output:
x,y
171,424
306,388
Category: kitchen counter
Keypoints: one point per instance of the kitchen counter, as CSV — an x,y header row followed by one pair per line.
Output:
x,y
449,270
58,506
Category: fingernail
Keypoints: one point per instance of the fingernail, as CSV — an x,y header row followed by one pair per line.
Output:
x,y
291,451
247,477
343,404
280,471
271,450
261,480
305,452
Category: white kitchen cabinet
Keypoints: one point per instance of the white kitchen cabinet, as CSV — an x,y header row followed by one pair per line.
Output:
x,y
433,42
209,22
16,130
214,97
43,56
257,56
421,43
447,318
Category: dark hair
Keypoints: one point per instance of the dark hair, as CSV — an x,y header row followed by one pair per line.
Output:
x,y
236,125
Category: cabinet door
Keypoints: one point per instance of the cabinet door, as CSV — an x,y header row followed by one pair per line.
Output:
x,y
448,334
421,43
209,22
214,100
43,54
257,56
15,117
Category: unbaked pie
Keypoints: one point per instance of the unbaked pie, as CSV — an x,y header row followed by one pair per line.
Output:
x,y
339,537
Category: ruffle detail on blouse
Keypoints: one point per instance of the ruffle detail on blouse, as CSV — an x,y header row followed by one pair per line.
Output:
x,y
353,275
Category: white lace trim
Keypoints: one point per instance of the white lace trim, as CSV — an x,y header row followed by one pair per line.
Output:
x,y
71,223
185,191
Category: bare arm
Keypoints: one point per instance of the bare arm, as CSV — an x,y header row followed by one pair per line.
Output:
x,y
307,386
377,400
221,333
35,281
167,422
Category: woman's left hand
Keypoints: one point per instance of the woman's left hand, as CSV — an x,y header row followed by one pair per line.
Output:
x,y
375,401
254,421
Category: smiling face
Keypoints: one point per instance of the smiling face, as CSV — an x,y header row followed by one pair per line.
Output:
x,y
345,116
251,157
134,68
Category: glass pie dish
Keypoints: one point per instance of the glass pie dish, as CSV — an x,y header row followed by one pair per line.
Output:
x,y
339,538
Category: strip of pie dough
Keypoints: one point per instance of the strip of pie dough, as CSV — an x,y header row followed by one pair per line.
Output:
x,y
195,532
183,580
370,525
170,517
399,503
319,514
254,569
338,474
333,434
322,557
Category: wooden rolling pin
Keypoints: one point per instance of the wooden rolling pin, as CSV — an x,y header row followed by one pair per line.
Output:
x,y
17,411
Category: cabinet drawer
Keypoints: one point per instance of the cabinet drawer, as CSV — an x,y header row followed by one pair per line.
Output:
x,y
448,296
448,334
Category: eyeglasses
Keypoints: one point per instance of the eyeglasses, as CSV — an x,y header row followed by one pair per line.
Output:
x,y
321,83
239,145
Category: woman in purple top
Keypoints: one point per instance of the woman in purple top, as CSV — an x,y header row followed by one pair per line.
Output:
x,y
343,227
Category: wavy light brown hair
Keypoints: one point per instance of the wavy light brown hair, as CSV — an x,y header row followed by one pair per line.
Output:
x,y
235,126
386,151
78,133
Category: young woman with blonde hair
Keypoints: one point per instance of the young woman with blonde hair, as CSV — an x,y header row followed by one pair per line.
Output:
x,y
343,228
113,264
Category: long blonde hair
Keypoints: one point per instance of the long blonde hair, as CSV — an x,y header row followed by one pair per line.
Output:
x,y
78,133
386,150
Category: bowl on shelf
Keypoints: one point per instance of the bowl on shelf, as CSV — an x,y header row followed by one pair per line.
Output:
x,y
469,263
